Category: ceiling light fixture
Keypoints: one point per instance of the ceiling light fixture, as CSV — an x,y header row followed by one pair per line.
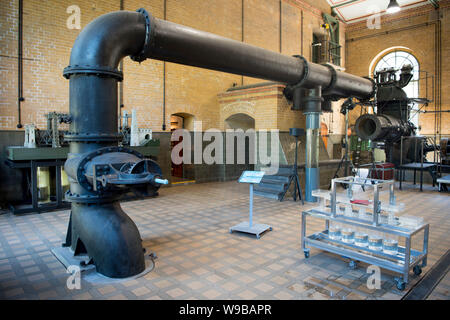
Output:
x,y
393,7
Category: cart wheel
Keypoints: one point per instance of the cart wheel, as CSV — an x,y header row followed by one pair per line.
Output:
x,y
306,251
258,236
270,229
401,285
231,231
417,270
352,264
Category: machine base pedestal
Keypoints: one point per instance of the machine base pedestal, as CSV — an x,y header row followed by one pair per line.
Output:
x,y
88,272
256,229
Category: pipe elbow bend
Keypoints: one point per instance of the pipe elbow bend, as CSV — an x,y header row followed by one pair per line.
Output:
x,y
105,41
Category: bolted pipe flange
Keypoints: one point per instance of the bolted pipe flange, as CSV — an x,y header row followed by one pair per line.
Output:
x,y
92,199
92,70
374,91
332,84
148,37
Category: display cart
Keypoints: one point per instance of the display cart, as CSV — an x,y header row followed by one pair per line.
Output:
x,y
369,217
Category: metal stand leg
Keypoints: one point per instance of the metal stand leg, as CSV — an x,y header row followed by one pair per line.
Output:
x,y
299,189
433,178
249,227
294,178
250,218
421,180
295,189
425,245
305,250
400,178
287,188
34,186
58,186
407,259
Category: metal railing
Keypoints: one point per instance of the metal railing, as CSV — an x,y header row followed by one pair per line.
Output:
x,y
326,51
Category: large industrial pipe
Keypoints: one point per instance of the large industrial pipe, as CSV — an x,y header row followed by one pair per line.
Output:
x,y
98,225
167,41
381,128
20,97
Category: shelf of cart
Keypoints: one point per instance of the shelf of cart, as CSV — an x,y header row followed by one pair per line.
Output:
x,y
364,181
402,231
400,256
342,199
391,262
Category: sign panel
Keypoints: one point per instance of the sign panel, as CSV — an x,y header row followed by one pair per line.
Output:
x,y
251,177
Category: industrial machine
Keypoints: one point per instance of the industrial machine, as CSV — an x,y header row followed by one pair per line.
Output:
x,y
50,137
132,135
392,119
99,170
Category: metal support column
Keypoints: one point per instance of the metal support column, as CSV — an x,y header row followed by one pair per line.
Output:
x,y
312,155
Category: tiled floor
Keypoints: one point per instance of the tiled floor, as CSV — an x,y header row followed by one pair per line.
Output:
x,y
441,291
187,227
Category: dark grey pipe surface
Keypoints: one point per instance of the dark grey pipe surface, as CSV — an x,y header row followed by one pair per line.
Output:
x,y
20,66
180,44
111,37
108,39
184,45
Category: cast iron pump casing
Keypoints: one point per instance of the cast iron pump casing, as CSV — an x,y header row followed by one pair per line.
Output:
x,y
98,226
112,171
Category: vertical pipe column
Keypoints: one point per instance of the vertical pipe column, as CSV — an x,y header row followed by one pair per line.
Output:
x,y
312,154
20,66
121,105
310,102
250,221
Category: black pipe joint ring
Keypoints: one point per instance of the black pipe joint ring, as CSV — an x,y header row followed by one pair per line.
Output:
x,y
92,70
305,73
332,84
374,86
148,37
92,199
291,88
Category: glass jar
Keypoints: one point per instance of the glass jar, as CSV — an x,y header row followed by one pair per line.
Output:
x,y
390,244
348,210
383,218
361,237
334,231
375,241
392,219
348,235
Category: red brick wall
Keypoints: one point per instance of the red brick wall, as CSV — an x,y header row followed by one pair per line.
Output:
x,y
47,43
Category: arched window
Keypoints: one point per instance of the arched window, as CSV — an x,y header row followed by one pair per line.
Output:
x,y
397,59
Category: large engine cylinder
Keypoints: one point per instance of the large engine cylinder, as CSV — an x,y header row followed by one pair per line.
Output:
x,y
381,128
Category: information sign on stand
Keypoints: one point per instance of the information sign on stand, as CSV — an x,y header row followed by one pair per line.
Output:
x,y
251,177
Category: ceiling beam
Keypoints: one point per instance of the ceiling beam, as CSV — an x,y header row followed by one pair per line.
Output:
x,y
343,4
434,3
